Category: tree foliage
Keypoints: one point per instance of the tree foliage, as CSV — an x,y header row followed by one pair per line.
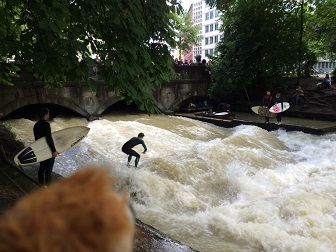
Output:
x,y
261,43
56,40
187,32
322,28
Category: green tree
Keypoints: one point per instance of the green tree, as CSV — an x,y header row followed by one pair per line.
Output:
x,y
56,40
322,28
187,32
307,56
260,44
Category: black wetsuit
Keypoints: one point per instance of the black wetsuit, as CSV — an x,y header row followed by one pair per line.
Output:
x,y
279,100
267,103
42,129
222,107
127,148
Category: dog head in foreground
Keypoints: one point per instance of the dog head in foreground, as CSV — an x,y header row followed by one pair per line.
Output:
x,y
79,213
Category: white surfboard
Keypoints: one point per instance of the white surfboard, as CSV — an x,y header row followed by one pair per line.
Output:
x,y
221,113
262,111
39,150
277,108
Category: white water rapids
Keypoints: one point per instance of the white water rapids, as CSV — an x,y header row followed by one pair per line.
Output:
x,y
215,189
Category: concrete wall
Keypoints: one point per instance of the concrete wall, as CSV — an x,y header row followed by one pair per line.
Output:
x,y
79,99
190,81
173,93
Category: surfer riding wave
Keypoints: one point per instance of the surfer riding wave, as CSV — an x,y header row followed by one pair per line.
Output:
x,y
127,148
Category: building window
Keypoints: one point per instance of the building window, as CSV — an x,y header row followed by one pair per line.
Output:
x,y
216,26
211,27
207,16
216,13
207,28
211,40
216,39
211,14
206,41
206,52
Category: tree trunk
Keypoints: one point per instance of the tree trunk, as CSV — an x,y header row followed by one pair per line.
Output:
x,y
300,44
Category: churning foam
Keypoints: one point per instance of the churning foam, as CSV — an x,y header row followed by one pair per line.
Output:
x,y
216,189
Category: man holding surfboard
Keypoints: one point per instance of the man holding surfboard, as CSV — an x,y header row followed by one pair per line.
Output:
x,y
42,129
127,148
278,100
266,103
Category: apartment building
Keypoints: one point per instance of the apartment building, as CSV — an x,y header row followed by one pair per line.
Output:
x,y
324,66
208,19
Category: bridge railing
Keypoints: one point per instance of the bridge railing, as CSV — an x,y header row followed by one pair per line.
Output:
x,y
195,71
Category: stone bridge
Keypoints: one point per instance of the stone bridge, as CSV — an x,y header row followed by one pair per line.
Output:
x,y
191,84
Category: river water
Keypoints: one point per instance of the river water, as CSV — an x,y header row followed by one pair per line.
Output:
x,y
215,189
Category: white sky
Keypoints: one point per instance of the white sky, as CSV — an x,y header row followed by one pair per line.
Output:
x,y
186,4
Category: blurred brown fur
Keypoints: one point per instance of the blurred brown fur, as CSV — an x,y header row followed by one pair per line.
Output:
x,y
79,213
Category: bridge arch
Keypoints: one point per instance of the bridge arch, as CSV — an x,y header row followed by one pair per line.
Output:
x,y
176,104
105,105
183,102
31,100
161,107
192,81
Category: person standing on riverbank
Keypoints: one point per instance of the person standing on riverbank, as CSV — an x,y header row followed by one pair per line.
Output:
x,y
127,148
42,129
276,101
298,96
266,103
